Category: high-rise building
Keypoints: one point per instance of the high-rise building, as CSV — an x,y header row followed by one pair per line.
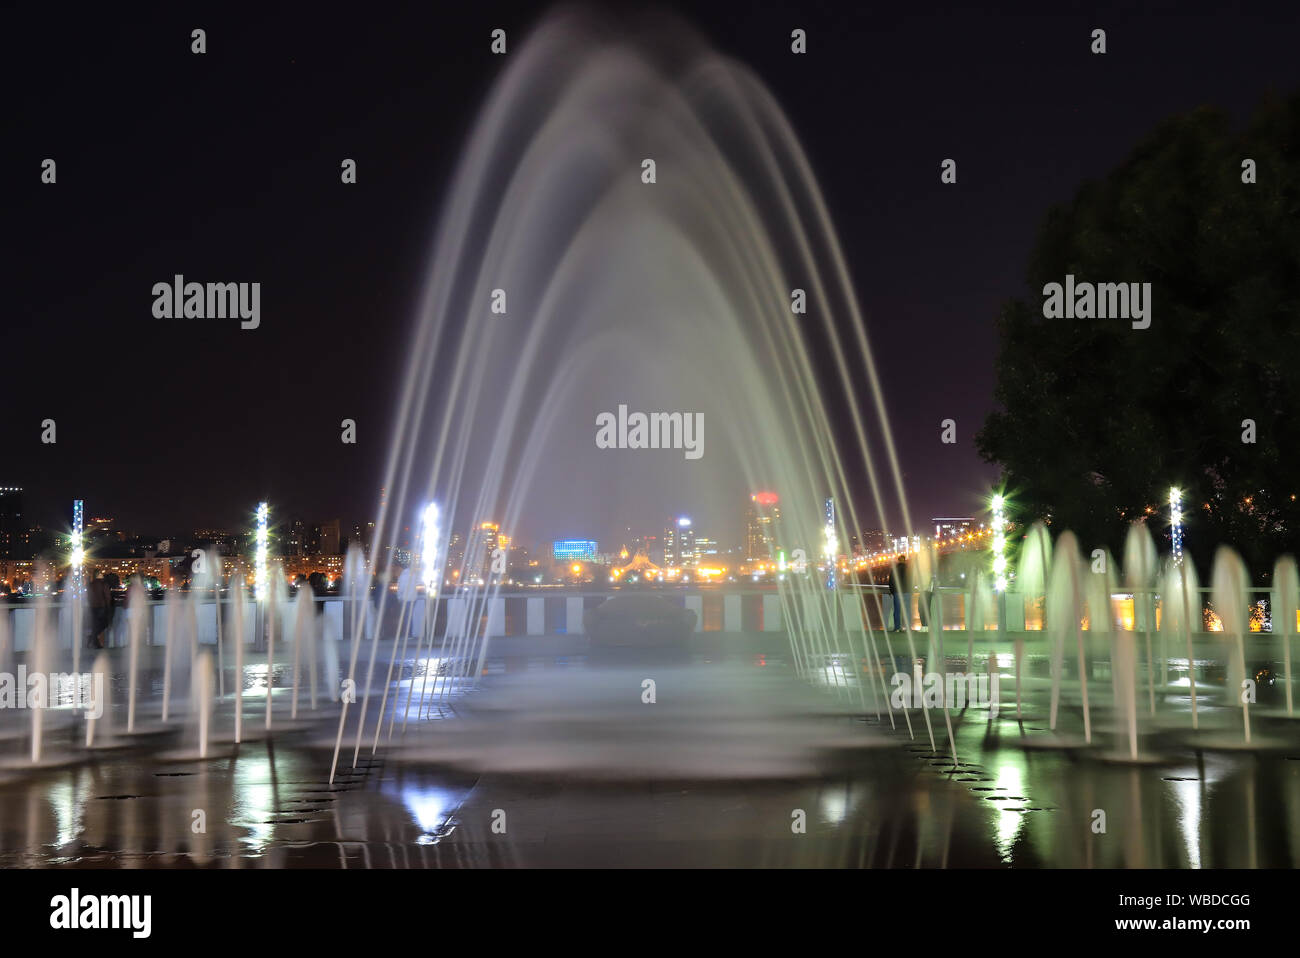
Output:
x,y
455,551
874,540
323,539
329,537
762,521
679,543
483,541
295,538
11,521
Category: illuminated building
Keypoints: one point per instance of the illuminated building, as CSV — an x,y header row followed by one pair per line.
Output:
x,y
567,550
11,516
705,546
679,543
324,539
761,520
483,541
947,528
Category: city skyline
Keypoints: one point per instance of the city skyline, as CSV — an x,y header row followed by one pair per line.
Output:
x,y
208,390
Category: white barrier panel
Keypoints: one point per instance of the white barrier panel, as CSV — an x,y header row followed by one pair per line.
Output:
x,y
206,616
334,616
67,623
536,616
772,613
158,627
696,604
24,623
457,616
496,623
1141,604
417,616
1015,612
573,615
732,617
814,617
851,605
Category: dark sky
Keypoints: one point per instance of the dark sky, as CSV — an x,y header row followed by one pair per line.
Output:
x,y
226,166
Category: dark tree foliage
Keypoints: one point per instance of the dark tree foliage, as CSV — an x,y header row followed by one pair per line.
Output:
x,y
1098,420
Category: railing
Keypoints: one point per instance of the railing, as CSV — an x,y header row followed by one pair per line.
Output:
x,y
526,613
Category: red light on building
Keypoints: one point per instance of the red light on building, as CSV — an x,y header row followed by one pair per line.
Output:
x,y
765,498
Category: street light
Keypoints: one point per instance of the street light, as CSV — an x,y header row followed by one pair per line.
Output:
x,y
78,549
1176,523
999,543
259,559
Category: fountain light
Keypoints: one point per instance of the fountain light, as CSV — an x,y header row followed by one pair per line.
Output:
x,y
78,549
831,548
429,545
259,559
1176,523
999,542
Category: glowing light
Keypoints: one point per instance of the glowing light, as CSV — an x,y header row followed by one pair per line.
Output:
x,y
429,546
78,550
1176,523
259,557
999,543
832,546
683,522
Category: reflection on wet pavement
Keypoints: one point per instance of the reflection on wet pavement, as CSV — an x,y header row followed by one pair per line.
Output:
x,y
269,803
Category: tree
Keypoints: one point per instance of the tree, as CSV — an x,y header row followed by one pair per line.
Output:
x,y
1096,419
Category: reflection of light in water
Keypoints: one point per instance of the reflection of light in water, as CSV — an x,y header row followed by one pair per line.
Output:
x,y
255,680
1188,796
1009,775
834,805
67,808
254,798
430,807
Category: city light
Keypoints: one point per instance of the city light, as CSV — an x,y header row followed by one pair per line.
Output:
x,y
1176,523
259,557
999,543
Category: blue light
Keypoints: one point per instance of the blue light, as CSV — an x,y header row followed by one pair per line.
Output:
x,y
571,549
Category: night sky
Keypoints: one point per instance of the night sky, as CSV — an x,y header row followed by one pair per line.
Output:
x,y
226,167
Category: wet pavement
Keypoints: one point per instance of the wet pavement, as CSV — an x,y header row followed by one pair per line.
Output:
x,y
420,803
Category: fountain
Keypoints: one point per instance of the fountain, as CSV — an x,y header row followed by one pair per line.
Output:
x,y
1230,586
645,214
1286,618
1183,617
238,608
